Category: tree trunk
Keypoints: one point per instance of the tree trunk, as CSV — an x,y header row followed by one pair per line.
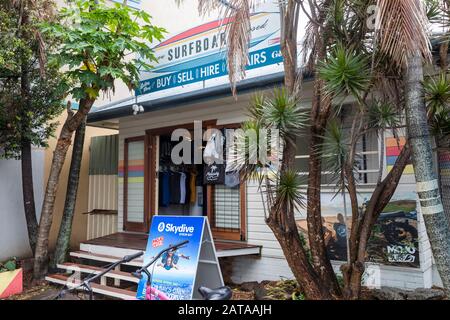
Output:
x,y
313,287
59,156
28,194
321,109
444,176
353,272
65,229
436,222
26,158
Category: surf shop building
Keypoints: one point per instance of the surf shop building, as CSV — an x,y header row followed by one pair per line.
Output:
x,y
190,83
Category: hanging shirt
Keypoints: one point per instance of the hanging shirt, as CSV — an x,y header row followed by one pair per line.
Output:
x,y
192,188
164,189
174,188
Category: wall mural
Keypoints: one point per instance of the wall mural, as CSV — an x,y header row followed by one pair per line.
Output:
x,y
394,240
393,149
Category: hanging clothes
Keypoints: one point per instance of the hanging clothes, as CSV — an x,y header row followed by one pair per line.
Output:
x,y
164,189
175,188
182,188
193,191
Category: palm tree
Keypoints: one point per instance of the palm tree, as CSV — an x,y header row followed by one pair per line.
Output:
x,y
403,37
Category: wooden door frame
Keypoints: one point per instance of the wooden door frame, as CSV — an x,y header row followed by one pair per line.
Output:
x,y
150,163
150,178
238,235
133,226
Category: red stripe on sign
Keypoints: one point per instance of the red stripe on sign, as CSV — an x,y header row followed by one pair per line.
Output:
x,y
393,151
196,30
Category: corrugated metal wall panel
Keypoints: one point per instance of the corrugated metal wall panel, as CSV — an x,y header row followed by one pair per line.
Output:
x,y
102,195
104,154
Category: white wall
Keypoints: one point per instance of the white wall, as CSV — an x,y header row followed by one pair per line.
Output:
x,y
13,228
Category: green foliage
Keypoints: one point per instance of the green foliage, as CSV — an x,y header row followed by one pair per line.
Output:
x,y
298,296
270,117
335,147
280,111
29,97
345,72
437,99
433,9
101,43
9,265
289,189
437,94
383,115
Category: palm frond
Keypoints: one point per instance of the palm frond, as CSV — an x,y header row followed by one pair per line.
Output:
x,y
335,153
345,72
440,126
383,115
402,29
437,94
255,110
238,38
282,111
288,191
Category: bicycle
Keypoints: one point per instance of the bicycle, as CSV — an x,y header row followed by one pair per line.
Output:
x,y
222,293
86,283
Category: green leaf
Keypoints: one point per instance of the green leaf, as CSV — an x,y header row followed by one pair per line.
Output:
x,y
92,93
345,72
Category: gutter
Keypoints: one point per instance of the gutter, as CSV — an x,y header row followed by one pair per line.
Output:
x,y
224,90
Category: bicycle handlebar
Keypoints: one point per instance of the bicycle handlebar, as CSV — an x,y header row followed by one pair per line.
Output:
x,y
138,273
86,282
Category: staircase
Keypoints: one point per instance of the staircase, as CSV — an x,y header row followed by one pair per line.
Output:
x,y
124,283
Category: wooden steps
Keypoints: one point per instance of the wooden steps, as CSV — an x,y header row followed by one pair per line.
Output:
x,y
96,288
104,258
102,287
83,268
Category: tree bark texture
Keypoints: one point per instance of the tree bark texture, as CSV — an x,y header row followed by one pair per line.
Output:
x,y
28,194
59,156
363,226
436,221
443,154
65,229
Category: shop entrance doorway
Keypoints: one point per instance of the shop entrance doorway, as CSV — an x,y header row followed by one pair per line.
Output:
x,y
180,189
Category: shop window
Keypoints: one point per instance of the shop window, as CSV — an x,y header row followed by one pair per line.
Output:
x,y
227,211
367,159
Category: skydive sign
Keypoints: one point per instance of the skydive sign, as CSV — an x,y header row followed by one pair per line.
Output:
x,y
199,53
177,274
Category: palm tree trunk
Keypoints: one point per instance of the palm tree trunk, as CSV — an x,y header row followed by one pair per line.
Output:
x,y
65,229
28,194
443,154
436,222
